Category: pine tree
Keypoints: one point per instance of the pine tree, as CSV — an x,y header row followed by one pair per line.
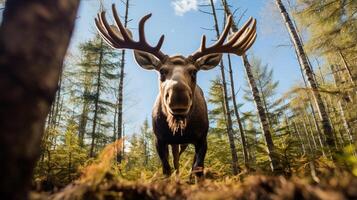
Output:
x,y
321,109
120,100
258,102
99,62
226,101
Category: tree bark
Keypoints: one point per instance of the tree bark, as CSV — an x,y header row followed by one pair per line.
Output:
x,y
226,102
236,112
34,37
321,109
347,68
310,129
313,112
96,100
300,138
273,157
274,160
83,121
121,87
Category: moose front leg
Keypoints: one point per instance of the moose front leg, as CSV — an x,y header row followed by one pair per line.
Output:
x,y
200,153
163,151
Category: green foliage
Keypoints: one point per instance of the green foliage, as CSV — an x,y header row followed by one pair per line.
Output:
x,y
216,115
61,159
296,130
332,27
350,157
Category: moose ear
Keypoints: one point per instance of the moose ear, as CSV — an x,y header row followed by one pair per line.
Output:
x,y
209,61
146,60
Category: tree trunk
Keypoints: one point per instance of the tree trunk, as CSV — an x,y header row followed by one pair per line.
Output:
x,y
274,160
30,66
316,123
114,137
83,122
311,131
236,112
340,106
345,123
121,87
300,138
347,68
96,100
57,102
265,105
226,102
327,128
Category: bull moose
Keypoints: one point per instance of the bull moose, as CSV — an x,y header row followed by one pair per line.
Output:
x,y
179,115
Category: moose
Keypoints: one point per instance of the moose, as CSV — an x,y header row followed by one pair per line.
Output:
x,y
179,115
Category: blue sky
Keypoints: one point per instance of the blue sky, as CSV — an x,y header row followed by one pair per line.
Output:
x,y
182,29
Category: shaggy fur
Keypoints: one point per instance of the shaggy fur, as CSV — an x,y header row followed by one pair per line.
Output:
x,y
175,124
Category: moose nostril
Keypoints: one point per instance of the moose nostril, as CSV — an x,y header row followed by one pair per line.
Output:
x,y
167,96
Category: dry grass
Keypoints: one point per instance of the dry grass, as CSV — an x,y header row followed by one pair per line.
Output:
x,y
253,187
99,182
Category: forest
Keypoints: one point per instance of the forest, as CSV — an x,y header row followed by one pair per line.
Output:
x,y
75,112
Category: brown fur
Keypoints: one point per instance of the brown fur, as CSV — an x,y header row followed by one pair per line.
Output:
x,y
180,113
175,124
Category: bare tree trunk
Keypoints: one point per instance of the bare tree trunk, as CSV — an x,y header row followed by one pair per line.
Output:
x,y
236,112
114,137
310,129
57,102
30,66
226,102
265,105
297,131
321,109
347,68
340,106
316,123
83,122
121,86
345,123
96,100
274,160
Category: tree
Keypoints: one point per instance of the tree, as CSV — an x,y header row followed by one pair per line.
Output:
x,y
99,59
226,102
30,70
321,109
60,166
217,117
331,25
121,85
258,102
267,90
236,112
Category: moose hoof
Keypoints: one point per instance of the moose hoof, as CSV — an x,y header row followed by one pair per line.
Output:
x,y
198,172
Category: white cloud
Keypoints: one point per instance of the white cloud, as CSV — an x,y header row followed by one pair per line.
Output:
x,y
183,6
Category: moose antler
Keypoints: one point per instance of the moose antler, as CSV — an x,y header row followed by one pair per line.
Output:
x,y
120,38
238,43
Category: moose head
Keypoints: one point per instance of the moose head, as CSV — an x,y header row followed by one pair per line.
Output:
x,y
177,73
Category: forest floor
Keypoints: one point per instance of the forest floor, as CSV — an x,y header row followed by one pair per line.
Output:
x,y
252,187
99,180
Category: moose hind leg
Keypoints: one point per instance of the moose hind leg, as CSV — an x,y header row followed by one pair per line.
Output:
x,y
176,156
200,153
163,151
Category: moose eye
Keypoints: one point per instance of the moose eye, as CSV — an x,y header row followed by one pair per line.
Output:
x,y
193,74
163,73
